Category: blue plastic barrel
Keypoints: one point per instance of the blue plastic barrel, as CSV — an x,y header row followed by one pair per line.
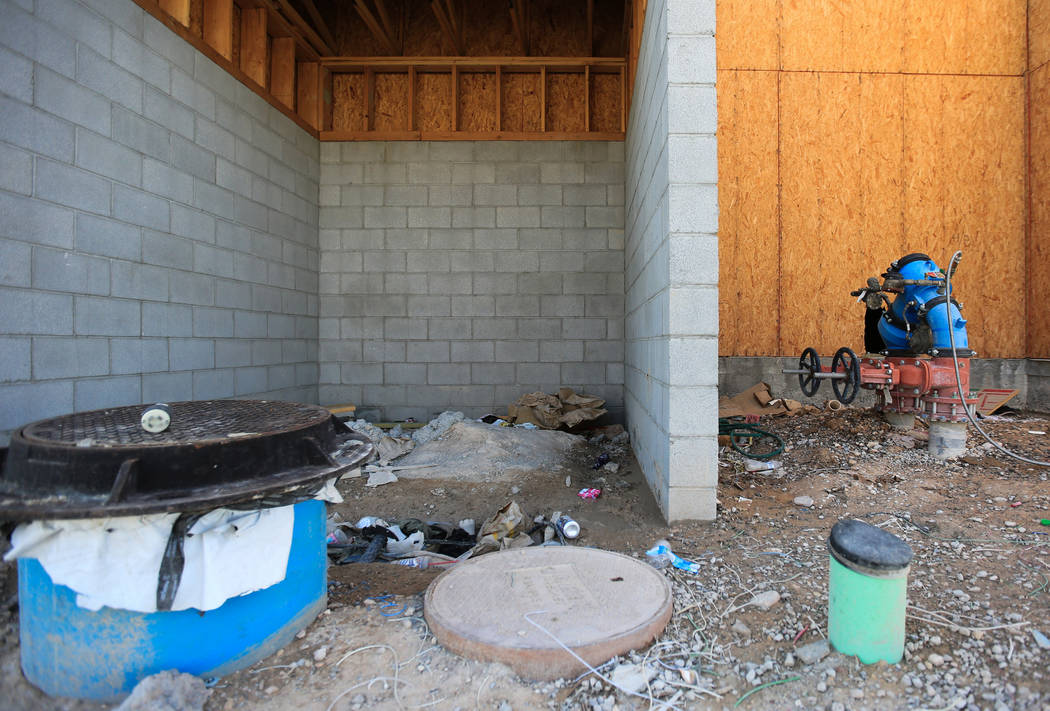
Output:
x,y
102,655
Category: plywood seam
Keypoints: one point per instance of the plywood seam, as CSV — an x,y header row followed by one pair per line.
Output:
x,y
877,73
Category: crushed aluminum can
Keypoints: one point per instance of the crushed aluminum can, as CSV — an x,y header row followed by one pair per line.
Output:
x,y
589,493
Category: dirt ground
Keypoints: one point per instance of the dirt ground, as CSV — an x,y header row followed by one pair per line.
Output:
x,y
979,586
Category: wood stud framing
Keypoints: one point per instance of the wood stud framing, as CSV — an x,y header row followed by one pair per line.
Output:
x,y
291,64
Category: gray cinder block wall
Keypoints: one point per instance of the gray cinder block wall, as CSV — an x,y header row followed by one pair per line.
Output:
x,y
671,364
464,274
158,220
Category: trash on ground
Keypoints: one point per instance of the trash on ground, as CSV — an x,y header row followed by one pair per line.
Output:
x,y
1041,639
661,555
991,399
765,600
379,477
566,409
390,448
804,501
589,493
167,691
757,400
754,465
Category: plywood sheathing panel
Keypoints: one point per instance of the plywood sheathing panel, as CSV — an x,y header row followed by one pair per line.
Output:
x,y
829,244
391,101
1038,33
487,29
349,104
433,101
747,231
748,34
860,35
521,102
964,189
1039,212
605,102
608,29
477,101
558,28
970,37
566,101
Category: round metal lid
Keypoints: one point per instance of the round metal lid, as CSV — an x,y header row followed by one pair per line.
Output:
x,y
598,603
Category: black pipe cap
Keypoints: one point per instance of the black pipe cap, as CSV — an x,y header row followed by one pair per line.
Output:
x,y
869,546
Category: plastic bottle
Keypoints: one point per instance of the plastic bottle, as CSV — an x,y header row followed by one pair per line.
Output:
x,y
420,561
568,527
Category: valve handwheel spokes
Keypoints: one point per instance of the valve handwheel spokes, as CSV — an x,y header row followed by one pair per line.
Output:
x,y
845,361
808,381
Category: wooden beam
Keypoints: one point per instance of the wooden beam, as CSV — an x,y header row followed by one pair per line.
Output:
x,y
590,28
308,89
623,99
370,95
598,65
519,22
499,98
470,136
218,26
543,99
587,98
412,98
282,70
625,39
297,21
253,44
179,9
455,98
447,27
319,24
388,26
374,26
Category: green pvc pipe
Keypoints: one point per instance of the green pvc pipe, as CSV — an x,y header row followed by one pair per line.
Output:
x,y
866,610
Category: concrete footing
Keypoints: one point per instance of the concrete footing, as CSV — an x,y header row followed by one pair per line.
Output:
x,y
900,420
947,439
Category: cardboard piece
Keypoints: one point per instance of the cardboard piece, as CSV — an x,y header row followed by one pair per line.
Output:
x,y
991,399
566,409
756,400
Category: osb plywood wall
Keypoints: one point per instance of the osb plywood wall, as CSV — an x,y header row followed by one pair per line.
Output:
x,y
1038,177
853,133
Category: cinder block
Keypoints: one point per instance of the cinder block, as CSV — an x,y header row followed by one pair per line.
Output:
x,y
388,174
406,151
427,352
403,195
691,109
362,373
405,373
378,217
495,328
517,304
15,359
360,195
610,306
518,217
474,217
233,177
108,158
97,393
538,374
166,320
471,261
585,195
25,403
167,44
99,316
404,328
214,199
436,217
34,130
452,151
448,374
191,353
583,373
540,239
584,328
209,260
383,351
160,179
516,262
541,283
138,355
605,217
231,353
71,186
15,263
69,357
562,306
492,373
266,352
139,59
552,172
497,238
29,220
516,352
248,381
16,75
561,261
64,271
99,74
530,195
450,328
473,173
452,195
213,384
147,137
212,323
473,305
693,311
605,172
499,151
189,288
614,373
561,351
585,283
63,97
211,138
450,284
17,173
191,93
165,249
141,208
430,261
691,59
562,217
472,351
495,195
606,351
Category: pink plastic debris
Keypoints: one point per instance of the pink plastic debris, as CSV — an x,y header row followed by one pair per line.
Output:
x,y
589,493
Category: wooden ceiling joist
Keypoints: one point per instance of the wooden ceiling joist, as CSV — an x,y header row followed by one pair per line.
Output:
x,y
519,19
445,12
319,23
285,9
380,29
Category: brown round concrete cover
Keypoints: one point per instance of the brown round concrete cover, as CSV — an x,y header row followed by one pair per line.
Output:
x,y
598,603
